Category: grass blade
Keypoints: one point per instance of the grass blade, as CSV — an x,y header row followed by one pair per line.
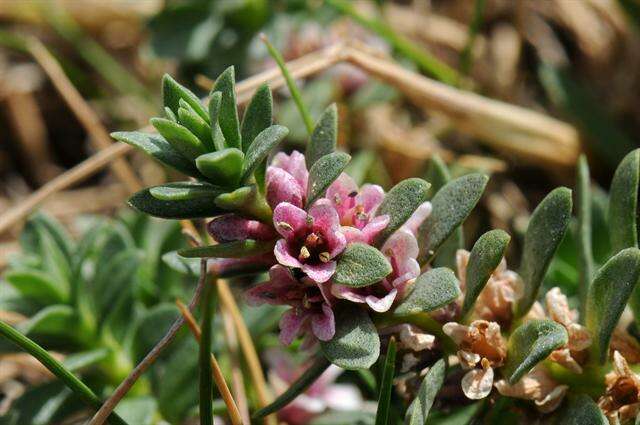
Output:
x,y
386,384
585,254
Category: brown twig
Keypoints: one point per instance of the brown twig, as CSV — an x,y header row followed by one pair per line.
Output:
x,y
218,377
81,171
81,109
110,404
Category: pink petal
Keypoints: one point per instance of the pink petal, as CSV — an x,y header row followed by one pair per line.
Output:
x,y
402,244
282,187
353,234
324,216
283,255
290,326
371,196
343,397
323,324
293,164
347,293
375,226
277,290
383,304
289,220
418,216
340,193
406,270
320,272
231,227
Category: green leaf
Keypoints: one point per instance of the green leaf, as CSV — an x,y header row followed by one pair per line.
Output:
x,y
54,229
386,384
84,359
215,102
399,203
150,327
38,286
356,344
179,137
296,388
200,207
437,174
451,206
609,292
235,249
222,167
530,344
205,381
54,320
545,231
138,410
342,417
432,290
324,138
114,277
160,149
324,172
486,255
188,266
581,410
584,240
195,124
623,203
257,152
361,265
246,200
173,92
228,115
258,116
170,115
184,191
419,409
78,387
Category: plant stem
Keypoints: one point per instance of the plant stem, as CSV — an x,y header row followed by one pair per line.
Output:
x,y
293,88
69,379
406,47
206,384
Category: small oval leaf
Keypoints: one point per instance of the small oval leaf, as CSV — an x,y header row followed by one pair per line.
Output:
x,y
246,200
581,410
201,207
451,206
215,100
195,124
419,409
258,115
235,249
530,344
608,295
361,265
228,115
324,172
486,255
183,191
432,290
324,137
179,137
356,344
399,203
37,286
260,148
623,203
545,231
173,92
222,167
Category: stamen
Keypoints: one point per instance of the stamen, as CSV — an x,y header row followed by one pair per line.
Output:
x,y
337,199
284,225
325,257
304,253
313,240
309,220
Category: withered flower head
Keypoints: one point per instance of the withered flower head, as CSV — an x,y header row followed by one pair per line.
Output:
x,y
621,400
538,387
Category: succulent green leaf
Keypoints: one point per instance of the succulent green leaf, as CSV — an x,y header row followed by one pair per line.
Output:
x,y
419,409
235,249
399,203
246,200
57,320
581,410
38,286
173,92
608,294
545,231
485,256
361,265
215,102
623,203
195,124
160,149
228,115
184,191
432,290
170,115
257,152
299,386
584,240
179,137
386,384
324,138
324,172
530,344
222,167
356,344
200,207
452,204
258,116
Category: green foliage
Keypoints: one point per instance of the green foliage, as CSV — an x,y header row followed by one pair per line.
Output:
x,y
235,249
419,409
198,207
386,384
432,290
223,166
323,172
584,239
581,410
623,203
324,138
361,265
258,116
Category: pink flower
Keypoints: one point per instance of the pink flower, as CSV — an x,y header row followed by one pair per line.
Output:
x,y
401,249
311,240
286,179
230,227
311,310
322,395
356,208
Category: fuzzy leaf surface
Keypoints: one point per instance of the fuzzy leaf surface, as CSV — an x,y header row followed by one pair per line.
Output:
x,y
235,249
419,409
179,137
257,152
258,115
228,115
324,137
324,172
623,203
222,167
200,207
361,265
432,290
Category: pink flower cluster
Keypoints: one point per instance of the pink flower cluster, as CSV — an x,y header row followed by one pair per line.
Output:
x,y
310,241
